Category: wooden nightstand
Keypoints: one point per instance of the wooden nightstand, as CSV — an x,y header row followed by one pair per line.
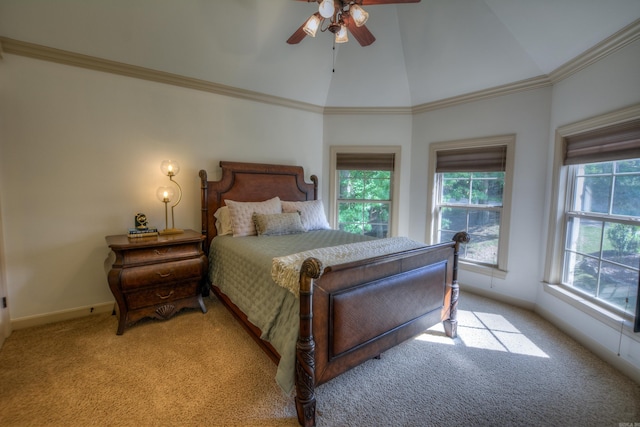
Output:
x,y
156,276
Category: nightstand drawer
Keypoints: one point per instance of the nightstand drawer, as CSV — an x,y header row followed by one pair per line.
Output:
x,y
161,253
156,274
160,295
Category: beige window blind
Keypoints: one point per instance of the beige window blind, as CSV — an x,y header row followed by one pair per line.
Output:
x,y
477,159
615,142
365,161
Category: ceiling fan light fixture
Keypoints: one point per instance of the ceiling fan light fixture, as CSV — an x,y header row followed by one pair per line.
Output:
x,y
341,35
326,8
359,15
311,26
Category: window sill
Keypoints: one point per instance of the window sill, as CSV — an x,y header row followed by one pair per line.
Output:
x,y
483,269
609,318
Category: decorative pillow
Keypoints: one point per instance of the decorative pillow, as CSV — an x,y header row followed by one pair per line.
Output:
x,y
241,214
223,221
277,224
311,213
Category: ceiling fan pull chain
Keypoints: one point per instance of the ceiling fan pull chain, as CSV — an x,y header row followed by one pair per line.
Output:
x,y
333,70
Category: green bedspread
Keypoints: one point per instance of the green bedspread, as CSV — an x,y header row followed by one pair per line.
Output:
x,y
241,268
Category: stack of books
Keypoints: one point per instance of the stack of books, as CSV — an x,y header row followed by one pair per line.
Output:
x,y
143,232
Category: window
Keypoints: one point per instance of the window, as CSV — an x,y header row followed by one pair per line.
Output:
x,y
363,189
471,201
471,192
601,255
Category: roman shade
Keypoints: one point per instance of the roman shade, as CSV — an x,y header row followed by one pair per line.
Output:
x,y
617,142
491,158
365,161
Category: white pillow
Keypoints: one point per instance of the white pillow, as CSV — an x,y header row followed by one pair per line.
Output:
x,y
311,213
223,221
242,214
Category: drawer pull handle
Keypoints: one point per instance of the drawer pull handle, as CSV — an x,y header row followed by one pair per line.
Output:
x,y
164,252
163,275
166,296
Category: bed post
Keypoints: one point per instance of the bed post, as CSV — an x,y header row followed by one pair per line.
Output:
x,y
305,347
451,324
204,203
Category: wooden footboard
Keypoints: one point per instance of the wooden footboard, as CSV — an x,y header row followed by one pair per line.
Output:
x,y
353,312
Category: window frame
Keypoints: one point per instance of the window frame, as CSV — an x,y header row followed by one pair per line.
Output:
x,y
395,180
561,203
500,270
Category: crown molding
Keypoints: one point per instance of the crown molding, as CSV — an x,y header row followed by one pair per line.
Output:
x,y
367,110
31,50
613,43
519,86
620,39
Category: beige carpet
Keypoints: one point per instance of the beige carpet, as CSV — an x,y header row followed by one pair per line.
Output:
x,y
508,367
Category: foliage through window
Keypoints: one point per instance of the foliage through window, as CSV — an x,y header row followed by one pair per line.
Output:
x,y
602,244
472,202
363,190
364,201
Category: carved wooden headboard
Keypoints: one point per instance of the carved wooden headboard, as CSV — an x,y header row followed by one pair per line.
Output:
x,y
251,182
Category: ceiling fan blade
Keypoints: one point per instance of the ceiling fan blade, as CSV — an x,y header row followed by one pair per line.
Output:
x,y
362,34
372,2
297,36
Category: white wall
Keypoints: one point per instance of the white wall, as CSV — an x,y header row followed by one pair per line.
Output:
x,y
525,114
81,154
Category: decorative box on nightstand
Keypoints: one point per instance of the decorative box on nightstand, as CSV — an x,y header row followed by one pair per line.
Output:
x,y
156,276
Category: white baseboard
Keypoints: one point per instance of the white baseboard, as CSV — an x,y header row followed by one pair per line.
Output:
x,y
42,319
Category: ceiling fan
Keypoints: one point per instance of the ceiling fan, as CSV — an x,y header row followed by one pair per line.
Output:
x,y
342,15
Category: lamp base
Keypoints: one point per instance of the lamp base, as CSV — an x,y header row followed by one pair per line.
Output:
x,y
170,231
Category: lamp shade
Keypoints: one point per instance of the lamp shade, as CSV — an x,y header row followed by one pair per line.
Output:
x,y
341,35
359,15
312,24
326,8
165,194
170,167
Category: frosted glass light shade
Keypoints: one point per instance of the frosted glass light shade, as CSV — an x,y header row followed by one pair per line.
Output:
x,y
311,26
326,8
359,15
170,167
341,35
165,194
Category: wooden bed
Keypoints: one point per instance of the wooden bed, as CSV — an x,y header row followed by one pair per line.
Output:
x,y
349,313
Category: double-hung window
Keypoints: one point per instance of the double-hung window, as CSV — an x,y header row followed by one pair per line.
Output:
x,y
471,193
363,189
601,255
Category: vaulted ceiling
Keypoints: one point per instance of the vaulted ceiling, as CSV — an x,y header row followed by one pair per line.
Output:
x,y
424,52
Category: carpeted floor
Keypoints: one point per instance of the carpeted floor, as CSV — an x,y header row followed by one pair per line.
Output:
x,y
508,367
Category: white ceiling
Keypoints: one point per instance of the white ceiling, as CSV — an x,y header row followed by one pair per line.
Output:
x,y
424,52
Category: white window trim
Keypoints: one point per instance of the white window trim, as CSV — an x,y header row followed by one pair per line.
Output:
x,y
559,189
559,203
505,217
333,182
